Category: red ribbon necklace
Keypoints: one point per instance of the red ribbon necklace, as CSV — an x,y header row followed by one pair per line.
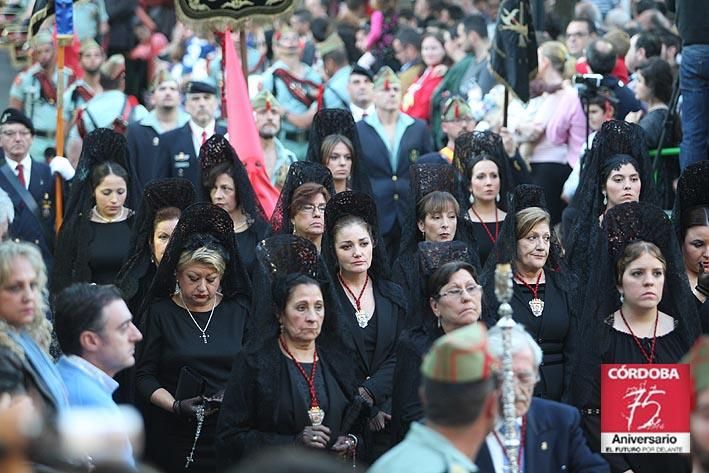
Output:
x,y
651,357
536,304
520,453
359,313
314,405
487,230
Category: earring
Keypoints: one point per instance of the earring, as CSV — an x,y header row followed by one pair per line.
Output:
x,y
605,198
471,199
622,298
177,287
497,198
439,322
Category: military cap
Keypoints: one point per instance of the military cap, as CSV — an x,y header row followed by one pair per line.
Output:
x,y
265,99
362,71
43,37
89,44
698,360
332,43
113,67
385,77
198,87
462,356
455,108
12,115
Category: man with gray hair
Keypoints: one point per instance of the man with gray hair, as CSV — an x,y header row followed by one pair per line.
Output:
x,y
551,434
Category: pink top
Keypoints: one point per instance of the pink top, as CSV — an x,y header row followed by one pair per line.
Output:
x,y
375,28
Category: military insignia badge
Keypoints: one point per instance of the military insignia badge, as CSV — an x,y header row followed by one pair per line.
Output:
x,y
156,141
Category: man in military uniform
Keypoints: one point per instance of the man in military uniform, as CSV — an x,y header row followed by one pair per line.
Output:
x,y
34,92
456,119
144,135
336,71
460,398
78,94
178,150
297,87
277,158
112,108
28,183
391,141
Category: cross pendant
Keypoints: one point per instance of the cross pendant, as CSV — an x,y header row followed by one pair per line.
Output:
x,y
204,337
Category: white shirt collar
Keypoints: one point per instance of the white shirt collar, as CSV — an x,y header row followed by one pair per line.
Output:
x,y
108,384
197,130
26,167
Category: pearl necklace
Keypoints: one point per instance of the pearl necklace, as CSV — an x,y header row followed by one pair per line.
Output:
x,y
95,213
204,335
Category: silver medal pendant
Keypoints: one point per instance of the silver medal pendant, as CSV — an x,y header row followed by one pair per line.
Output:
x,y
362,320
316,415
537,306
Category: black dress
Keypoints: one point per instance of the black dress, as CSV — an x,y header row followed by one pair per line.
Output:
x,y
246,243
703,309
550,330
622,348
485,244
109,248
266,403
376,357
172,341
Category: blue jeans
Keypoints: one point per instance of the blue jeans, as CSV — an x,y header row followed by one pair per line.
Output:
x,y
694,84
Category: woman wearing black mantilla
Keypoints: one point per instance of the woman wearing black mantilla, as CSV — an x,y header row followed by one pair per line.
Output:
x,y
295,385
194,327
374,308
637,309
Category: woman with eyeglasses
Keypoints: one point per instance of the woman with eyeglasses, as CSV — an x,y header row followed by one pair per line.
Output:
x,y
541,286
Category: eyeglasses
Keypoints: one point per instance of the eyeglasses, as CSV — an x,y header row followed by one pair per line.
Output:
x,y
470,289
22,133
310,208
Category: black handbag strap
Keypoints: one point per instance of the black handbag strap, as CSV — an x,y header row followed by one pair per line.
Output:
x,y
27,198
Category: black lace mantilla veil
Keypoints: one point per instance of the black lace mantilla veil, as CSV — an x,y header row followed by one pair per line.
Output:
x,y
616,137
471,145
202,225
299,173
159,194
217,150
623,225
363,206
427,178
330,121
100,146
692,191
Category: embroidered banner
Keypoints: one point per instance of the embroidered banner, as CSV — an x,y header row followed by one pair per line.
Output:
x,y
222,14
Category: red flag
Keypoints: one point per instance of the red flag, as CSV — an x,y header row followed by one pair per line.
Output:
x,y
243,134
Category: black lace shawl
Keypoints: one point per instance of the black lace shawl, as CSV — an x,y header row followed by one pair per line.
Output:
x,y
217,150
623,225
615,137
299,173
71,262
427,178
201,224
136,274
692,191
469,148
363,206
330,121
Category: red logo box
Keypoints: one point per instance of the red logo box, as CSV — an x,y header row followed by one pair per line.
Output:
x,y
645,408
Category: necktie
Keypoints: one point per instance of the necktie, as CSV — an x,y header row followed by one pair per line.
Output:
x,y
204,137
21,175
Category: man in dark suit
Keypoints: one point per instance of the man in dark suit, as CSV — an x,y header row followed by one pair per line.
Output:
x,y
27,182
179,149
552,436
391,141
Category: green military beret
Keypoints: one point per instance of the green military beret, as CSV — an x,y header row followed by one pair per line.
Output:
x,y
455,108
265,99
113,67
43,37
89,44
385,77
331,43
462,356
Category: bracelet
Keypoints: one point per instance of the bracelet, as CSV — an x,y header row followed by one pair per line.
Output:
x,y
176,407
354,439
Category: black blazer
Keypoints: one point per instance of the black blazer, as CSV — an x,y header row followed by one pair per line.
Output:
x,y
391,187
143,142
251,415
176,157
554,442
25,225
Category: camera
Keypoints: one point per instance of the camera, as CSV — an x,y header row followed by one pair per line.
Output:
x,y
587,84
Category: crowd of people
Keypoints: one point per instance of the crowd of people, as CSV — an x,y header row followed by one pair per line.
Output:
x,y
156,313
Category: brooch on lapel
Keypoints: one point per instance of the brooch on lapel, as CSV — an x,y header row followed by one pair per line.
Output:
x,y
156,141
414,155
